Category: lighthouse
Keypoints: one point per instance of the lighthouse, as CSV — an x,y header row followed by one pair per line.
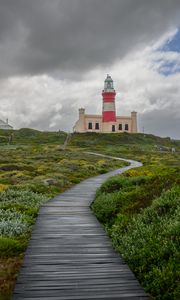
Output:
x,y
108,121
109,107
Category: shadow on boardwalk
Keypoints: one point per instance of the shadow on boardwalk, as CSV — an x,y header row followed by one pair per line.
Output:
x,y
69,255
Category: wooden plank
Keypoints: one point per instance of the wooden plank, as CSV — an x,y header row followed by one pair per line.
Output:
x,y
70,256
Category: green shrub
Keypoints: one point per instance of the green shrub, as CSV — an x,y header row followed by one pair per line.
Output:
x,y
10,247
18,210
13,223
26,197
113,184
141,215
129,200
150,245
27,211
119,182
8,215
105,207
12,228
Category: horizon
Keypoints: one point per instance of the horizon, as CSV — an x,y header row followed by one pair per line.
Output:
x,y
71,132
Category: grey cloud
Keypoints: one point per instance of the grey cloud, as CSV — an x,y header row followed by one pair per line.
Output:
x,y
160,122
72,37
50,119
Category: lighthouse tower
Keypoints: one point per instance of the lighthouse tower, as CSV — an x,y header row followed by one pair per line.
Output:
x,y
109,109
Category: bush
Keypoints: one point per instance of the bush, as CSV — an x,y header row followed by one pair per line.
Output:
x,y
12,228
13,223
141,215
26,198
18,210
105,207
119,182
27,211
10,247
150,245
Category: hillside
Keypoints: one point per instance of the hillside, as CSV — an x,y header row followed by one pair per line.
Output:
x,y
31,136
34,167
88,140
136,145
126,138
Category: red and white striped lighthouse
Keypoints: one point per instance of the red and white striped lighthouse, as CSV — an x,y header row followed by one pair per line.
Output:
x,y
109,109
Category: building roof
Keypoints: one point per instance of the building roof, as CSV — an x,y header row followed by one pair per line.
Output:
x,y
108,78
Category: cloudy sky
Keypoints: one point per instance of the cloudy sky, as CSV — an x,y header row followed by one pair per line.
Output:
x,y
54,57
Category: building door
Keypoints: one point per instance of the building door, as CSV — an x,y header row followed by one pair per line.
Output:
x,y
113,128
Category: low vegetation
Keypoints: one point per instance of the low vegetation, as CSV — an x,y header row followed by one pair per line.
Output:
x,y
34,168
139,209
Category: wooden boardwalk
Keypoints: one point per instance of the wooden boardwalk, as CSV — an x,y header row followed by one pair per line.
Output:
x,y
69,255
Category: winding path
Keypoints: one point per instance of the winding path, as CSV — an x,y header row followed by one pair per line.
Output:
x,y
69,255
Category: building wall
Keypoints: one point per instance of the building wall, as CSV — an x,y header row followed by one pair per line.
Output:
x,y
93,119
134,121
124,123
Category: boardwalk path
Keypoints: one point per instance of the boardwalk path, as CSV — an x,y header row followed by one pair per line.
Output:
x,y
70,256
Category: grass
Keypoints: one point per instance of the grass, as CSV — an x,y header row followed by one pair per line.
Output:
x,y
27,136
33,169
140,211
9,268
132,207
150,245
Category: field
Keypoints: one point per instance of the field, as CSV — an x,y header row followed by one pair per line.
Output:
x,y
140,209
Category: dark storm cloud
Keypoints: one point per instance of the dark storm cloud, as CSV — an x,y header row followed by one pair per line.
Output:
x,y
68,36
160,122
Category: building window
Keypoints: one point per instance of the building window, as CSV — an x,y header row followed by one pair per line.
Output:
x,y
113,128
97,126
126,127
120,126
90,125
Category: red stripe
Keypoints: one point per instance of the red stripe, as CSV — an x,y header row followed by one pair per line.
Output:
x,y
109,116
108,100
108,97
108,94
